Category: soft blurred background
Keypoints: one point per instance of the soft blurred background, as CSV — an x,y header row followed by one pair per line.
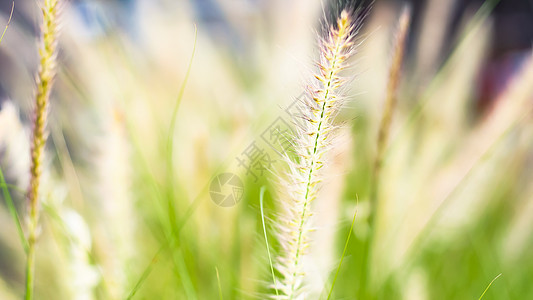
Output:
x,y
125,214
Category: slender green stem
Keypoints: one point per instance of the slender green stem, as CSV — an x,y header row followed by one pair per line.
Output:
x,y
171,207
13,211
262,194
30,269
145,274
8,22
172,128
489,286
342,257
219,286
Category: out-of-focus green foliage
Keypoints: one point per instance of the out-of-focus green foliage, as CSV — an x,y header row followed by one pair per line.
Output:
x,y
120,219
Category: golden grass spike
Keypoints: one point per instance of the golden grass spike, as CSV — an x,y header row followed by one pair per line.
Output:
x,y
45,76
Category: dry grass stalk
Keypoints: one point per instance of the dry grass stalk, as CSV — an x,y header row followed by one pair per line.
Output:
x,y
392,85
383,133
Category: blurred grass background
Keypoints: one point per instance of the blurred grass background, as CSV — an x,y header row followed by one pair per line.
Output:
x,y
123,216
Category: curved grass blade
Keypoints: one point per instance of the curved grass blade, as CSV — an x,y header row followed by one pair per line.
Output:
x,y
262,193
170,143
170,138
343,254
13,211
489,286
8,21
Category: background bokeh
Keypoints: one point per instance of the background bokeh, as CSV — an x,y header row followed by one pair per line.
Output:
x,y
125,214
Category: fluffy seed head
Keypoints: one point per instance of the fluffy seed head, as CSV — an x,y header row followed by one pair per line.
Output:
x,y
313,138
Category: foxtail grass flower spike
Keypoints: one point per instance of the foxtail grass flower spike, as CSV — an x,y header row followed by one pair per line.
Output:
x,y
383,136
392,85
313,139
45,76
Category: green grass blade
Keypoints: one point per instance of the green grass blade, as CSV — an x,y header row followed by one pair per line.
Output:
x,y
8,22
262,193
183,274
170,138
171,241
145,274
489,286
175,227
219,286
171,207
13,211
13,187
342,257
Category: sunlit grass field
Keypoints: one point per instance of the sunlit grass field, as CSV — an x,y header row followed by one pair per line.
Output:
x,y
169,129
